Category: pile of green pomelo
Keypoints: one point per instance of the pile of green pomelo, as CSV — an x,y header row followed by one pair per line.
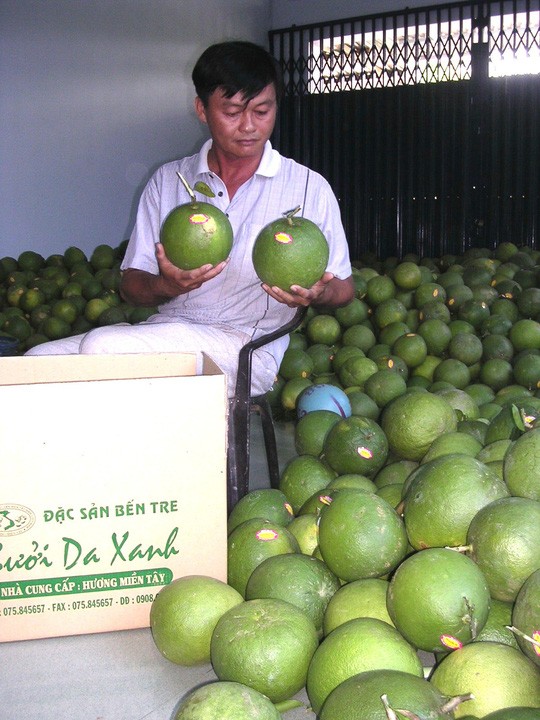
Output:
x,y
395,572
65,294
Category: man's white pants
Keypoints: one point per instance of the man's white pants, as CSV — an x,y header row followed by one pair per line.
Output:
x,y
222,344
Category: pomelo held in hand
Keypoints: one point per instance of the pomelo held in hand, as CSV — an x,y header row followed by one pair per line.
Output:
x,y
290,251
196,233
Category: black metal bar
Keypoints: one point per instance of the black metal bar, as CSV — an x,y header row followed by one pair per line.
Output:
x,y
429,156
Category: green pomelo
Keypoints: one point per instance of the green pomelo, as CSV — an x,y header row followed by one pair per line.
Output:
x,y
228,701
184,614
360,598
356,445
514,713
196,234
267,644
296,578
521,465
250,543
444,496
526,617
266,503
360,697
498,676
290,251
504,541
438,599
412,422
497,625
361,535
357,646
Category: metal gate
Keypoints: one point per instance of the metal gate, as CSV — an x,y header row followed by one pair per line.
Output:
x,y
425,122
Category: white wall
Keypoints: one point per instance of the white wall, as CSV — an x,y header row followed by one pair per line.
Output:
x,y
302,12
94,94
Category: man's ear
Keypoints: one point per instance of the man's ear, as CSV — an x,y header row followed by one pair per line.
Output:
x,y
200,110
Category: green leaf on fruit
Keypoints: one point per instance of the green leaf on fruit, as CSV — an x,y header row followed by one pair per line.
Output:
x,y
518,418
204,189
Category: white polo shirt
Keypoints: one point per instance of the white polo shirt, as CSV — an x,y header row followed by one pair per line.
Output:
x,y
235,297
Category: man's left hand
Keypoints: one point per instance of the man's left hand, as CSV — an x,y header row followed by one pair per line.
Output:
x,y
299,296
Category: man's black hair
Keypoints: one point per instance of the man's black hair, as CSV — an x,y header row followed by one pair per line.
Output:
x,y
236,66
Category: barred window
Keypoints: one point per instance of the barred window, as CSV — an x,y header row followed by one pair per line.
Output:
x,y
427,45
514,44
449,158
387,57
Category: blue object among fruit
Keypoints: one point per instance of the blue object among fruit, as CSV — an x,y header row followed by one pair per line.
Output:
x,y
323,396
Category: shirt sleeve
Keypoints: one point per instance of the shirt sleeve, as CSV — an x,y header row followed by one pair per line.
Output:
x,y
322,207
141,251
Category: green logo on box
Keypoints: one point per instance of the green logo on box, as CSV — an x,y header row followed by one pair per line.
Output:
x,y
85,584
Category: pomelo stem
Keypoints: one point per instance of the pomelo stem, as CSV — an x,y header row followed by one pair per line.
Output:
x,y
452,704
187,186
521,634
408,714
291,213
286,705
458,548
471,618
390,714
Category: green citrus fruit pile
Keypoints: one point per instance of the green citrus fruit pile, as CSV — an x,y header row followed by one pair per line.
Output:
x,y
438,535
395,572
64,294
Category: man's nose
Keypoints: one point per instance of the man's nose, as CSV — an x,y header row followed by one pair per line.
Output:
x,y
247,121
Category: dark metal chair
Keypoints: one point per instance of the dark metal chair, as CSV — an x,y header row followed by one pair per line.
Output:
x,y
240,409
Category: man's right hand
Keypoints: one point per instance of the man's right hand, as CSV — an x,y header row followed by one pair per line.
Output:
x,y
180,281
139,287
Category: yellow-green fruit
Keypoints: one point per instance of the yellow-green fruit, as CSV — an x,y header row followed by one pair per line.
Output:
x,y
360,697
526,618
497,676
267,644
445,495
228,701
521,465
196,234
412,422
361,535
356,646
184,614
360,598
304,581
438,599
504,541
290,251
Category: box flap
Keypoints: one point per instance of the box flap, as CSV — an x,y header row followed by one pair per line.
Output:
x,y
30,369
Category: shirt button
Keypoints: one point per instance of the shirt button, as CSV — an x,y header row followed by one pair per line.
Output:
x,y
220,193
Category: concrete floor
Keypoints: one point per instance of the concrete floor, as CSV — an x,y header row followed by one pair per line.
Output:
x,y
117,675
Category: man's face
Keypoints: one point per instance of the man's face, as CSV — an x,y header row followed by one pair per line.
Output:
x,y
239,128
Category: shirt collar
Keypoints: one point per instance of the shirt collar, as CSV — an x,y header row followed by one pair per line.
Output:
x,y
268,167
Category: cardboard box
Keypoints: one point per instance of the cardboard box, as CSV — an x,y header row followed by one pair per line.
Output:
x,y
113,483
